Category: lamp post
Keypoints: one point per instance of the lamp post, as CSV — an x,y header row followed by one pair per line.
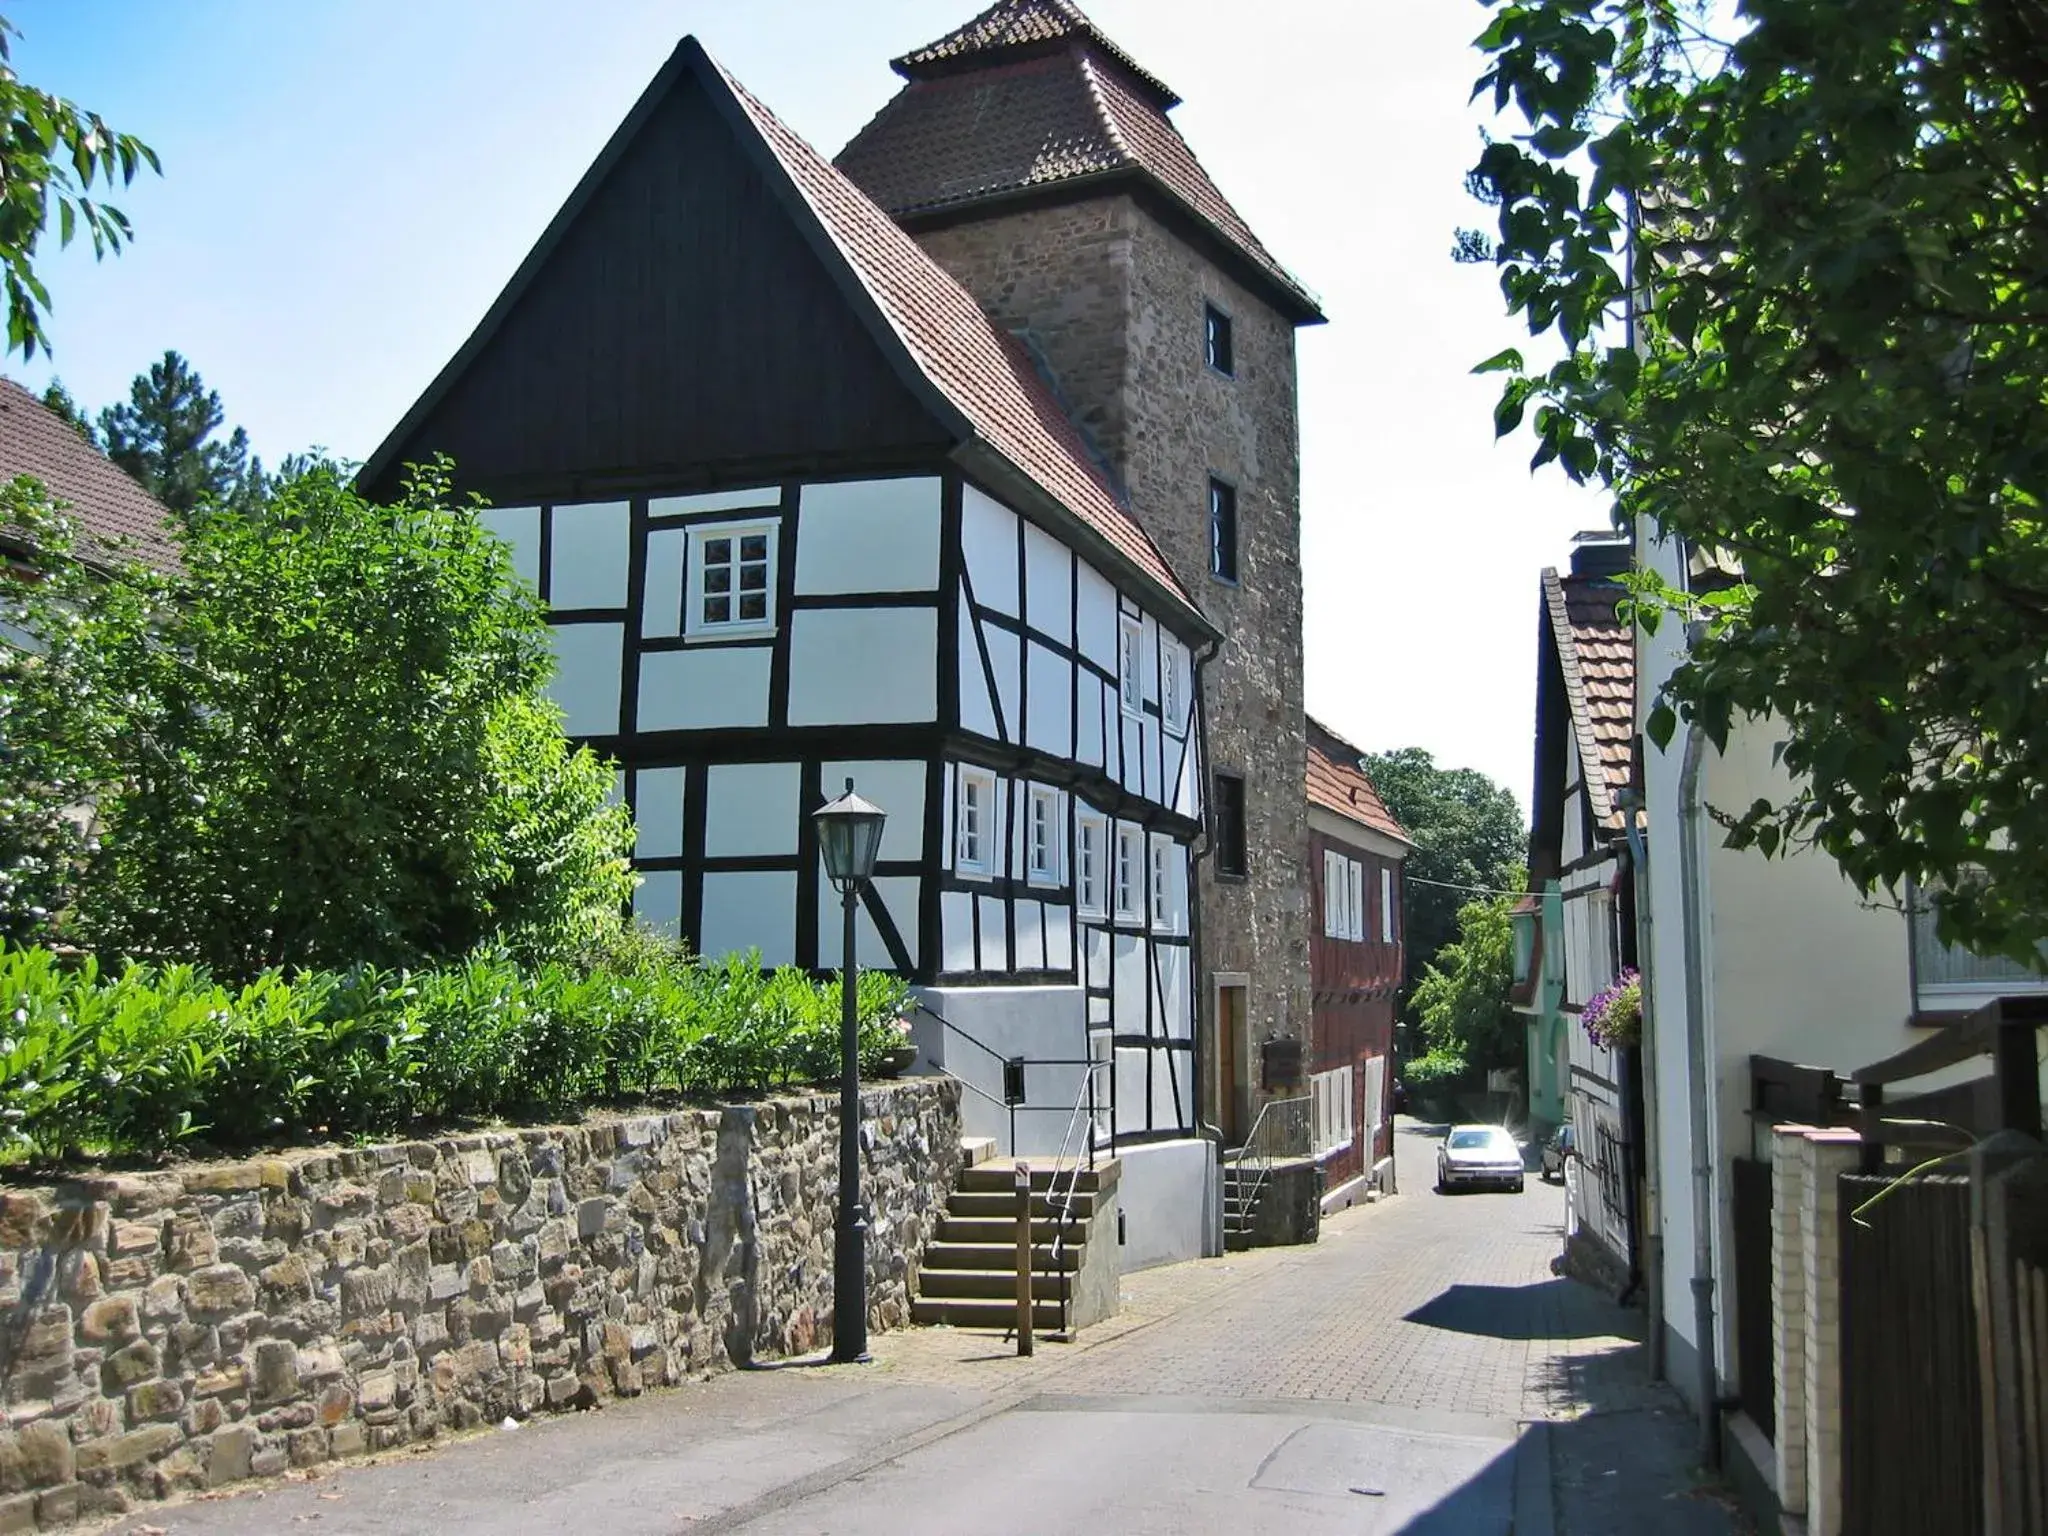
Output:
x,y
849,838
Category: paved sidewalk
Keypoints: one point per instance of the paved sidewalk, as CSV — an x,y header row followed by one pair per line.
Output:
x,y
1419,1370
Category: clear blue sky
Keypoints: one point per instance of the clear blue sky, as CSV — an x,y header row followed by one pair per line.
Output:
x,y
348,183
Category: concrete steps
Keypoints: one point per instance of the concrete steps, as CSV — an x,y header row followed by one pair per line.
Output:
x,y
969,1275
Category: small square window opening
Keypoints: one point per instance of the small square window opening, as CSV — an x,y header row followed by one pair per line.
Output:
x,y
1045,838
1128,874
1130,658
1216,340
1222,531
973,816
732,579
1228,825
1091,840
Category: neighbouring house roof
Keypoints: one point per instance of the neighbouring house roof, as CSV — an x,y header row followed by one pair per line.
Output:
x,y
1337,782
1030,96
1596,654
109,507
978,381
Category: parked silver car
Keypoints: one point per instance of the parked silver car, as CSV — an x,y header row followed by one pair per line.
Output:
x,y
1479,1154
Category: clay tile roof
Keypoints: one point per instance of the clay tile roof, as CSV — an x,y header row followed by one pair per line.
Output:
x,y
1596,652
983,371
1023,119
1337,782
1010,27
107,505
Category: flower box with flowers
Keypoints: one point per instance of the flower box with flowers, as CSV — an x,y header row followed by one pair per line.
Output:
x,y
1613,1016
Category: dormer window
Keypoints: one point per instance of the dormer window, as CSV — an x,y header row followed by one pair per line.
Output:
x,y
1216,342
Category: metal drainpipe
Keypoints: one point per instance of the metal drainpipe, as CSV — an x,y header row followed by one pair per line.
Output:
x,y
1703,1213
1653,1188
1213,1223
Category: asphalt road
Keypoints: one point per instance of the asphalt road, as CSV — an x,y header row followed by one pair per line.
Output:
x,y
1418,1370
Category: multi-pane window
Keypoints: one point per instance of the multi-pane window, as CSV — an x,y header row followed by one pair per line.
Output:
x,y
974,822
1128,873
1222,530
1091,841
1162,886
732,578
1130,677
1216,340
1228,814
1330,1108
1171,710
1343,897
1042,829
1386,906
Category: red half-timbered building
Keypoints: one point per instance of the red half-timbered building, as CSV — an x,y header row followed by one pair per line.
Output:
x,y
1356,933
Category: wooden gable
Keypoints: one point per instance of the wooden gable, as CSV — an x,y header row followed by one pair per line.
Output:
x,y
678,315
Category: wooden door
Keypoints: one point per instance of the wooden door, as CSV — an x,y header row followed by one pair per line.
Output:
x,y
1229,1066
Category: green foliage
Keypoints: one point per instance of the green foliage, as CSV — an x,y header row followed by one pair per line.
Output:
x,y
52,154
164,437
152,1058
1435,1071
322,745
1462,1000
1468,833
1833,389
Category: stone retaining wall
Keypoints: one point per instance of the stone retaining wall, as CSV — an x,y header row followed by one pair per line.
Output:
x,y
183,1329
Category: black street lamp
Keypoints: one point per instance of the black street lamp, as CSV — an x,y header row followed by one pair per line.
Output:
x,y
849,838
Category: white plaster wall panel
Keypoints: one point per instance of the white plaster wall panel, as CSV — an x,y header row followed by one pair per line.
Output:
x,y
1030,954
658,813
1088,748
586,680
995,935
1098,1010
898,787
1006,662
751,809
1176,1009
977,704
899,899
1172,1072
863,666
661,605
1095,956
616,795
746,497
1133,1068
658,902
750,909
589,554
1049,697
1095,607
704,687
1059,937
1133,776
1131,982
988,545
868,536
956,931
519,527
1048,585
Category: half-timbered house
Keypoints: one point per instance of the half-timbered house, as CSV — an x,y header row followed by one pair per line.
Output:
x,y
1356,937
801,513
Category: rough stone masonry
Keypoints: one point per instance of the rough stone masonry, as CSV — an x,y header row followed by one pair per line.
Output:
x,y
183,1329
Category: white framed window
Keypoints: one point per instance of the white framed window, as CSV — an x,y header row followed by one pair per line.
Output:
x,y
1102,1062
1356,911
1130,656
974,823
1044,831
1091,848
1386,906
1172,708
731,590
1330,1109
1130,858
1343,897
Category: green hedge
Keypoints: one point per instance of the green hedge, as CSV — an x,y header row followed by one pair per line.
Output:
x,y
132,1064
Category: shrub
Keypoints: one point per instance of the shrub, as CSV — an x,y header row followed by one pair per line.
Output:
x,y
142,1061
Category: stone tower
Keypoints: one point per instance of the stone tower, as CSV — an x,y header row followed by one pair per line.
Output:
x,y
1035,160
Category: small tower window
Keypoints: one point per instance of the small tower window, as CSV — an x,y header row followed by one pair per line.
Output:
x,y
1216,344
1222,530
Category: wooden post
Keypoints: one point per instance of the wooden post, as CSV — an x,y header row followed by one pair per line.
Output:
x,y
1023,1259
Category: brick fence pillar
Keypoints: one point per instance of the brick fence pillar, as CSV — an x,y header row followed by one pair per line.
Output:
x,y
1788,1312
1828,1155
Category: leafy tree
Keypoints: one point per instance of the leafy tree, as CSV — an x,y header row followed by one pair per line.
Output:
x,y
1837,392
164,437
1462,1000
323,746
57,399
52,154
1468,833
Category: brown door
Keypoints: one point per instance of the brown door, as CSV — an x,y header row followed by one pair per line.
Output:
x,y
1229,1038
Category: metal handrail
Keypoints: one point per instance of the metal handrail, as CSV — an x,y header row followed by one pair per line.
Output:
x,y
1001,1060
1258,1148
1062,1206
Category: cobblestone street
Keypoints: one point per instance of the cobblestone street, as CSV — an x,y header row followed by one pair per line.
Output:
x,y
1420,1369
